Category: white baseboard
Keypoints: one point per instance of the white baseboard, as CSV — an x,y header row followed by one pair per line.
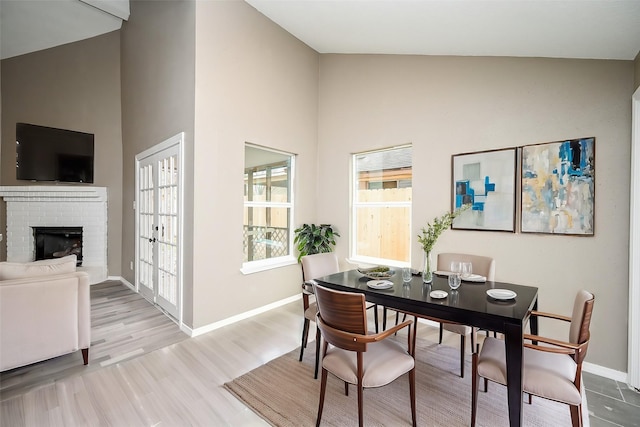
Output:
x,y
233,319
612,374
124,282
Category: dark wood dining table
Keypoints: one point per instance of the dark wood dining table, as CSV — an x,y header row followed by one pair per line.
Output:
x,y
469,305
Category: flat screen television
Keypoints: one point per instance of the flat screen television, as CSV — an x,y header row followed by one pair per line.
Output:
x,y
50,154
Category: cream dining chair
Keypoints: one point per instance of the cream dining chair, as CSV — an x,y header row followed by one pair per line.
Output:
x,y
313,267
481,265
552,369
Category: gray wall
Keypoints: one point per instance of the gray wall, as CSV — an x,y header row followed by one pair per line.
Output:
x,y
637,71
254,83
3,207
158,60
449,105
75,86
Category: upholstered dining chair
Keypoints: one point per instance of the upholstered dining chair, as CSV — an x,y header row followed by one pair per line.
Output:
x,y
552,369
314,266
481,265
355,355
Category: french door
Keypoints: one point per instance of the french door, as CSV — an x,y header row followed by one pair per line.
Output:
x,y
158,219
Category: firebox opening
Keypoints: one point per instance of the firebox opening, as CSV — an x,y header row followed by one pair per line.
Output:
x,y
57,242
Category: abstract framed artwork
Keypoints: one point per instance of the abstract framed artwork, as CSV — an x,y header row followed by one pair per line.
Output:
x,y
558,187
487,181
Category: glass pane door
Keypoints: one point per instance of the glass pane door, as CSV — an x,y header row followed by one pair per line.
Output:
x,y
158,219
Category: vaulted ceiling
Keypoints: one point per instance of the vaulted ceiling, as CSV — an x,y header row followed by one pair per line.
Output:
x,y
32,25
597,29
523,28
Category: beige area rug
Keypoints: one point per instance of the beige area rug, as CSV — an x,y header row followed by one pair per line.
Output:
x,y
284,393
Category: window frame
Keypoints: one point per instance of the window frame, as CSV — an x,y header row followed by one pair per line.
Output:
x,y
249,267
355,204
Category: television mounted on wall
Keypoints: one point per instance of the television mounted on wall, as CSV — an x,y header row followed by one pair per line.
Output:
x,y
51,154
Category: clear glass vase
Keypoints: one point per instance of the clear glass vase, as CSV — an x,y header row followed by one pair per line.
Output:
x,y
427,271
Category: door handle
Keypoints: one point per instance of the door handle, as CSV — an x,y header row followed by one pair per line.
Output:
x,y
152,240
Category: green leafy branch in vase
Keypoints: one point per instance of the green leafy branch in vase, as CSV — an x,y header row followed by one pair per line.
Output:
x,y
432,231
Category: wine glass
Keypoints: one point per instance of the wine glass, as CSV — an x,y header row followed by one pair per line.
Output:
x,y
456,267
454,277
406,274
467,270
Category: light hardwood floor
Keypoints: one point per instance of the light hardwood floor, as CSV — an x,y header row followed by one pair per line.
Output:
x,y
180,383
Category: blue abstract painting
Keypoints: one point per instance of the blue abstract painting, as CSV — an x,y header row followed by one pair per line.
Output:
x,y
558,187
485,180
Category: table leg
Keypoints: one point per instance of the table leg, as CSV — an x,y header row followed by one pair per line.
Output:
x,y
533,322
514,354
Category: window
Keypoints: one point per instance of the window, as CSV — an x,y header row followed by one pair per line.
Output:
x,y
381,217
268,208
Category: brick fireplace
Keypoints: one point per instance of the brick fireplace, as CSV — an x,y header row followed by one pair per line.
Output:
x,y
84,207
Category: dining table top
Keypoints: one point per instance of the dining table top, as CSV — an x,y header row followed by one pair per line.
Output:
x,y
470,303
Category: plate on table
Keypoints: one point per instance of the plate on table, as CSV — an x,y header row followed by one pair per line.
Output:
x,y
438,294
442,273
501,294
474,278
380,284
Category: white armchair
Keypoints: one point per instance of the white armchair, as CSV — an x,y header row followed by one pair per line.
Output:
x,y
45,311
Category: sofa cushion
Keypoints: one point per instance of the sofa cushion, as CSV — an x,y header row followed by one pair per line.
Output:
x,y
47,267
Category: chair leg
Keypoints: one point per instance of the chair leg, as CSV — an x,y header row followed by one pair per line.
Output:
x,y
318,339
323,387
462,344
346,388
85,356
576,415
375,316
384,318
360,401
305,335
412,395
474,388
415,336
441,329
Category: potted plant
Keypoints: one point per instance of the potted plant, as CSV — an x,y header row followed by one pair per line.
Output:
x,y
314,239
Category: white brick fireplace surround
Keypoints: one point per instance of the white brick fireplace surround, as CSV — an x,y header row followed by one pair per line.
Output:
x,y
58,206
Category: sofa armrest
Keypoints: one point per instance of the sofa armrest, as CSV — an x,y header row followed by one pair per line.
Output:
x,y
43,317
84,310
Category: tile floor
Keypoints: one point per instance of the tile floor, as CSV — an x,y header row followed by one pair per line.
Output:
x,y
611,403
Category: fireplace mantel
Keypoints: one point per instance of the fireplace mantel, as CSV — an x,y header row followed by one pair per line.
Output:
x,y
52,193
32,206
